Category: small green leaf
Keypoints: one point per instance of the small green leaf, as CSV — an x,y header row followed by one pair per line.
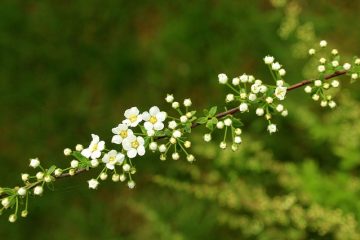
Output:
x,y
79,157
237,123
212,111
202,120
214,120
210,125
51,169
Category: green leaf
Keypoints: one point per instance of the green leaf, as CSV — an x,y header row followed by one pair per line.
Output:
x,y
214,120
237,123
80,157
202,120
51,169
212,111
210,125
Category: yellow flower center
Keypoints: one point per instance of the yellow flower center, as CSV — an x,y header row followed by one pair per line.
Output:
x,y
153,119
135,144
133,118
112,159
123,134
95,147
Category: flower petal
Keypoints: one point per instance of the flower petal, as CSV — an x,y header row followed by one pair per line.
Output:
x,y
132,153
141,150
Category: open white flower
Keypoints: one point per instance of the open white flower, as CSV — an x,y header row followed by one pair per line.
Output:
x,y
113,158
280,92
94,149
93,183
154,119
133,117
134,146
122,131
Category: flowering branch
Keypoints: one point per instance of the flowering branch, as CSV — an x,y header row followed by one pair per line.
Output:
x,y
149,129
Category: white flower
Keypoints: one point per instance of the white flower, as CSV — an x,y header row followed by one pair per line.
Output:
x,y
122,178
93,183
323,43
47,178
134,146
133,117
271,128
357,61
354,76
269,100
74,163
321,68
222,78
263,88
169,98
57,172
335,63
12,218
103,176
315,97
230,97
280,83
268,59
235,81
39,175
280,92
311,51
175,105
243,107
38,190
113,158
222,145
255,88
5,202
79,147
244,78
183,119
207,137
153,146
150,132
190,158
94,163
323,103
282,72
220,124
279,108
115,177
275,66
162,148
347,66
67,151
94,149
284,113
238,131
126,167
318,83
322,60
332,104
172,124
21,191
154,119
259,111
187,102
121,132
334,52
251,78
308,89
34,163
176,134
187,144
25,177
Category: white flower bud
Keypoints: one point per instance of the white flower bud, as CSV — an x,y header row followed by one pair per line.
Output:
x,y
227,122
220,124
222,145
131,184
38,190
5,202
24,177
58,172
280,83
34,163
243,107
259,111
39,175
323,43
150,132
347,66
190,158
354,76
162,148
244,78
326,85
169,98
243,95
335,63
126,167
207,137
21,191
175,156
72,172
238,131
332,104
172,125
93,183
235,81
234,147
187,102
183,119
115,177
222,78
67,151
279,108
24,213
79,147
315,97
263,88
334,52
122,178
275,66
162,157
357,61
153,146
269,60
188,115
284,113
269,100
252,97
237,139
172,140
187,144
308,89
322,60
94,163
318,83
176,134
311,51
282,72
323,103
103,176
12,218
251,78
271,128
47,178
321,68
230,97
175,105
74,163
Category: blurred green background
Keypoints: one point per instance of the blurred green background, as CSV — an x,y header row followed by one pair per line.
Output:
x,y
71,68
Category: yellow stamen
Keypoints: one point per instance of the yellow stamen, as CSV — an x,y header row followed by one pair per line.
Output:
x,y
135,144
133,118
123,134
153,119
